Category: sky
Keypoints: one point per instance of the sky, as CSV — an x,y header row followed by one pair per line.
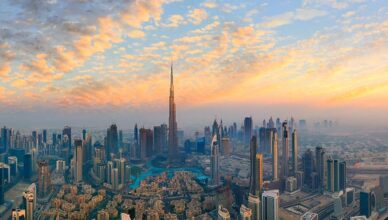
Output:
x,y
92,63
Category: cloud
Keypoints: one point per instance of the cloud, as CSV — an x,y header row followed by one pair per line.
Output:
x,y
174,21
136,34
197,15
209,4
5,68
342,4
349,14
301,14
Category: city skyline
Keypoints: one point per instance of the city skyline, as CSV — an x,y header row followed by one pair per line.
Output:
x,y
62,66
276,110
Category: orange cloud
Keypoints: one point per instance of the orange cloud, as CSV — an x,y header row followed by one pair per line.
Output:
x,y
197,15
5,68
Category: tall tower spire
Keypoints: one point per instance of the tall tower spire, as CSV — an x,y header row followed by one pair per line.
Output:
x,y
172,76
172,129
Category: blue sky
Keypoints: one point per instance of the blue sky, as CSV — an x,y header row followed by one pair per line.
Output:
x,y
72,61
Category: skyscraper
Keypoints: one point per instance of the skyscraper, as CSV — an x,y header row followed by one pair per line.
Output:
x,y
2,185
146,143
78,160
67,133
253,179
158,139
136,135
248,125
44,136
342,175
330,175
83,134
44,181
112,141
270,205
275,156
256,180
308,167
285,151
215,178
336,175
365,203
29,201
294,150
27,167
259,173
172,124
320,166
4,139
254,205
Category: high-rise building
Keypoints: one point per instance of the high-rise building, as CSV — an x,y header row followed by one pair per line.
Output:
x,y
112,141
285,151
44,134
308,168
248,126
54,139
349,196
258,174
67,133
13,165
320,166
215,178
121,138
336,175
262,138
309,216
87,150
78,160
294,150
275,156
120,165
253,171
44,180
27,167
383,182
34,135
254,205
259,168
5,140
115,178
109,172
330,175
342,175
223,213
245,213
29,201
136,134
146,143
226,146
2,184
172,124
270,205
365,203
158,139
83,134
